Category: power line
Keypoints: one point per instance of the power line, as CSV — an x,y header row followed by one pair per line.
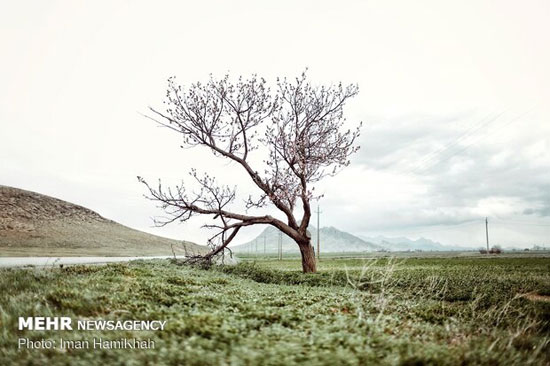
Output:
x,y
475,141
434,154
454,226
280,246
518,222
424,167
318,235
487,232
471,222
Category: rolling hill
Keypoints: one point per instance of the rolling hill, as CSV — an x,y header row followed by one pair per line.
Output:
x,y
32,224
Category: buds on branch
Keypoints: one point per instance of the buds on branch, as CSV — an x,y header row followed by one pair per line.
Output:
x,y
299,127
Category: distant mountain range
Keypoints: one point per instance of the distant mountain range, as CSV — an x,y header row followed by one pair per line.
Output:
x,y
404,244
337,241
332,240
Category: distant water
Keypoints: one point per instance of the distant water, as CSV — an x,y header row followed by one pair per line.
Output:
x,y
56,261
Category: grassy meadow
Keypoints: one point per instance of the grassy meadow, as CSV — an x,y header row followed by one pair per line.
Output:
x,y
387,311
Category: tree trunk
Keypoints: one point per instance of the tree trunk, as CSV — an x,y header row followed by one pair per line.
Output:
x,y
308,257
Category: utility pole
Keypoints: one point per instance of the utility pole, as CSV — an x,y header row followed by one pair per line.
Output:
x,y
487,233
318,236
280,246
264,243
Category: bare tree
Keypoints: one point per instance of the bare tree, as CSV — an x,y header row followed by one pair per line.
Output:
x,y
299,128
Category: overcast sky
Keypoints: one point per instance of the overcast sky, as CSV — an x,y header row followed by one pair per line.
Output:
x,y
454,97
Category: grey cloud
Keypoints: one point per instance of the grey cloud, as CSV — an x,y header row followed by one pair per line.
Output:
x,y
401,142
541,211
452,193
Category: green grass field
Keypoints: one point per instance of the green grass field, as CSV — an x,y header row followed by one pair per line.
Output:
x,y
401,311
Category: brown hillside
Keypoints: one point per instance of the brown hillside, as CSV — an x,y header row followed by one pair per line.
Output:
x,y
32,224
